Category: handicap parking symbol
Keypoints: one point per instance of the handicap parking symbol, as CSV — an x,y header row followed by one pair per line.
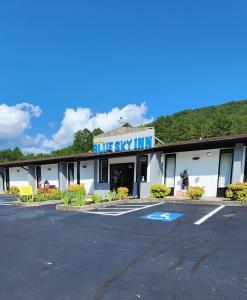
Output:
x,y
162,216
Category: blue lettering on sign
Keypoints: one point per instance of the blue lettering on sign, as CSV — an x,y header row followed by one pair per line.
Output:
x,y
162,216
117,146
110,146
148,140
125,145
129,142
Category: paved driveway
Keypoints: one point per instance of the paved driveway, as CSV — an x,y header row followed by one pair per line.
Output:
x,y
49,254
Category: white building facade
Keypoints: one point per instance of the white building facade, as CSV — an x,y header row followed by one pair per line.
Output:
x,y
129,157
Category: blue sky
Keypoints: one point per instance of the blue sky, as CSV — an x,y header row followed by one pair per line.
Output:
x,y
64,56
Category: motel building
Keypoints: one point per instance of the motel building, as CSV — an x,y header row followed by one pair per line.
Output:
x,y
130,157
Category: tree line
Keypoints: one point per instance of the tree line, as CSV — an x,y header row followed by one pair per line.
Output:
x,y
226,119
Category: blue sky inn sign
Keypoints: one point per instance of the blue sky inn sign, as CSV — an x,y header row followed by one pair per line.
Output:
x,y
124,145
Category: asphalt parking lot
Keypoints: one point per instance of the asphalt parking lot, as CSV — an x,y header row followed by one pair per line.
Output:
x,y
49,254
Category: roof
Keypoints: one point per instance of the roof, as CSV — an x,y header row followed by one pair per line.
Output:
x,y
197,144
123,130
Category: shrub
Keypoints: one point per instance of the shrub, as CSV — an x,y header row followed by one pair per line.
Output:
x,y
14,190
159,191
237,191
66,197
97,198
122,192
48,194
110,196
76,188
78,201
195,192
75,195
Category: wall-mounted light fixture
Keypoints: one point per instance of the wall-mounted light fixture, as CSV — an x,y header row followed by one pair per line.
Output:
x,y
17,171
49,169
196,158
84,166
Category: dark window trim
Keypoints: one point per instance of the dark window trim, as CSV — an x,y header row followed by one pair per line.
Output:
x,y
146,156
36,172
73,171
221,191
7,179
100,173
245,167
169,156
229,150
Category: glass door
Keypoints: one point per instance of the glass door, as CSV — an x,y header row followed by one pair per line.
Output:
x,y
170,169
225,171
122,175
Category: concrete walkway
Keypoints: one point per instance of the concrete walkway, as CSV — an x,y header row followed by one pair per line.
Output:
x,y
205,200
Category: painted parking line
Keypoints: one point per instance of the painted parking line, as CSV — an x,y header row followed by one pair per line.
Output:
x,y
213,212
121,209
4,202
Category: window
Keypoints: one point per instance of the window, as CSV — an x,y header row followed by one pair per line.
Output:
x,y
170,168
225,169
245,169
71,173
144,167
103,170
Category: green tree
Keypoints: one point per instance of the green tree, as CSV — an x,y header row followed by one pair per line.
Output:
x,y
83,141
127,125
97,131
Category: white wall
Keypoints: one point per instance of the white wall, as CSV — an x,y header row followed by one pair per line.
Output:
x,y
87,175
18,176
50,173
202,172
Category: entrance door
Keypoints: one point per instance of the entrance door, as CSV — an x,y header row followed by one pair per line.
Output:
x,y
225,171
170,169
122,175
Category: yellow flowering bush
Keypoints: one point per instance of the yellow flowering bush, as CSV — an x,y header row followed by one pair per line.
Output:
x,y
122,192
74,188
14,190
195,192
159,190
237,191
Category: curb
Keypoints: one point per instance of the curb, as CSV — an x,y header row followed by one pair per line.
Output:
x,y
207,202
35,204
100,205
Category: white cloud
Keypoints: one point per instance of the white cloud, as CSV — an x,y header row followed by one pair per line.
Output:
x,y
15,119
80,118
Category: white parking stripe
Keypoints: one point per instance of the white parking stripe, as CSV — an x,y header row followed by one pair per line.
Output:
x,y
101,213
119,210
203,219
114,208
139,208
130,205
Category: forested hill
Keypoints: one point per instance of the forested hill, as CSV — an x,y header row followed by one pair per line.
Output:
x,y
226,119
